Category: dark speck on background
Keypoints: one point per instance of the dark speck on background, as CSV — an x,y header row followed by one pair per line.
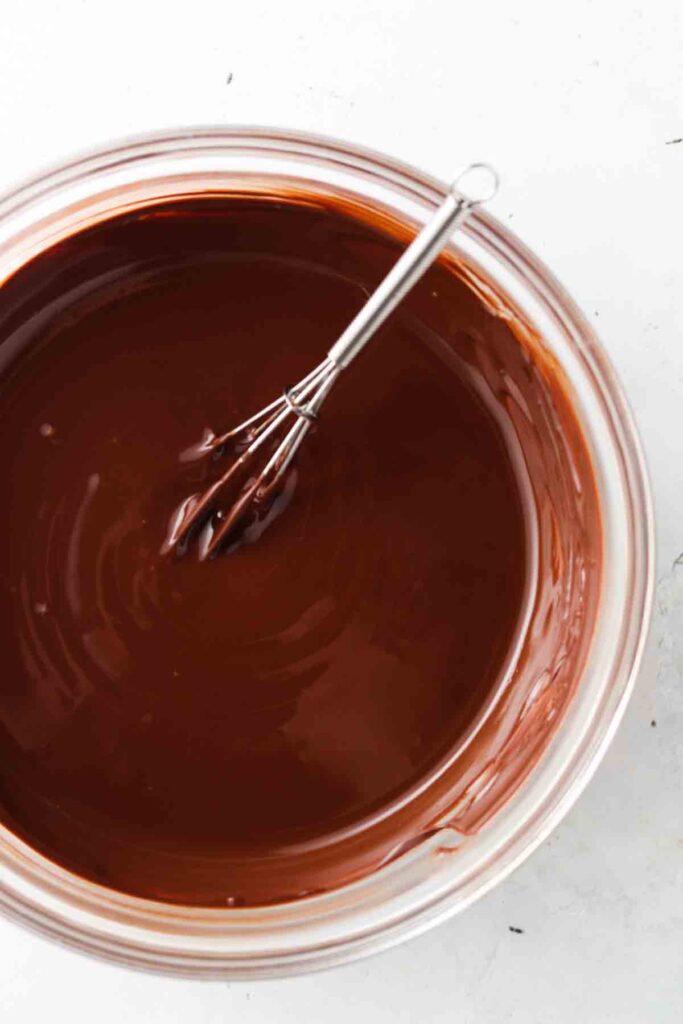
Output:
x,y
517,931
673,142
653,723
228,80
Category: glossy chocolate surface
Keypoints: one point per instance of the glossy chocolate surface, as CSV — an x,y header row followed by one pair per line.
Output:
x,y
243,731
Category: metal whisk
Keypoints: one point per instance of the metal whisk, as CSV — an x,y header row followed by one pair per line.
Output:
x,y
301,403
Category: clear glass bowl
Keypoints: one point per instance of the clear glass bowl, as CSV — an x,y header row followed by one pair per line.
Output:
x,y
424,886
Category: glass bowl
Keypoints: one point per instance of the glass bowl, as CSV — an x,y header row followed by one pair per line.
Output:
x,y
450,868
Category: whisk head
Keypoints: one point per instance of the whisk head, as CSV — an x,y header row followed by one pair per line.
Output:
x,y
265,443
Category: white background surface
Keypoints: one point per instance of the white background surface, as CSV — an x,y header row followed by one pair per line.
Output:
x,y
577,104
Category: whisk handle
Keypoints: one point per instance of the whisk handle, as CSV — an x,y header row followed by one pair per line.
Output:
x,y
417,258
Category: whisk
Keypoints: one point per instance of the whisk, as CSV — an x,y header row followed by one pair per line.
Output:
x,y
301,403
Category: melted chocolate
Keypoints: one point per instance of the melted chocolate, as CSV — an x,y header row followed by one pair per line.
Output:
x,y
253,728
